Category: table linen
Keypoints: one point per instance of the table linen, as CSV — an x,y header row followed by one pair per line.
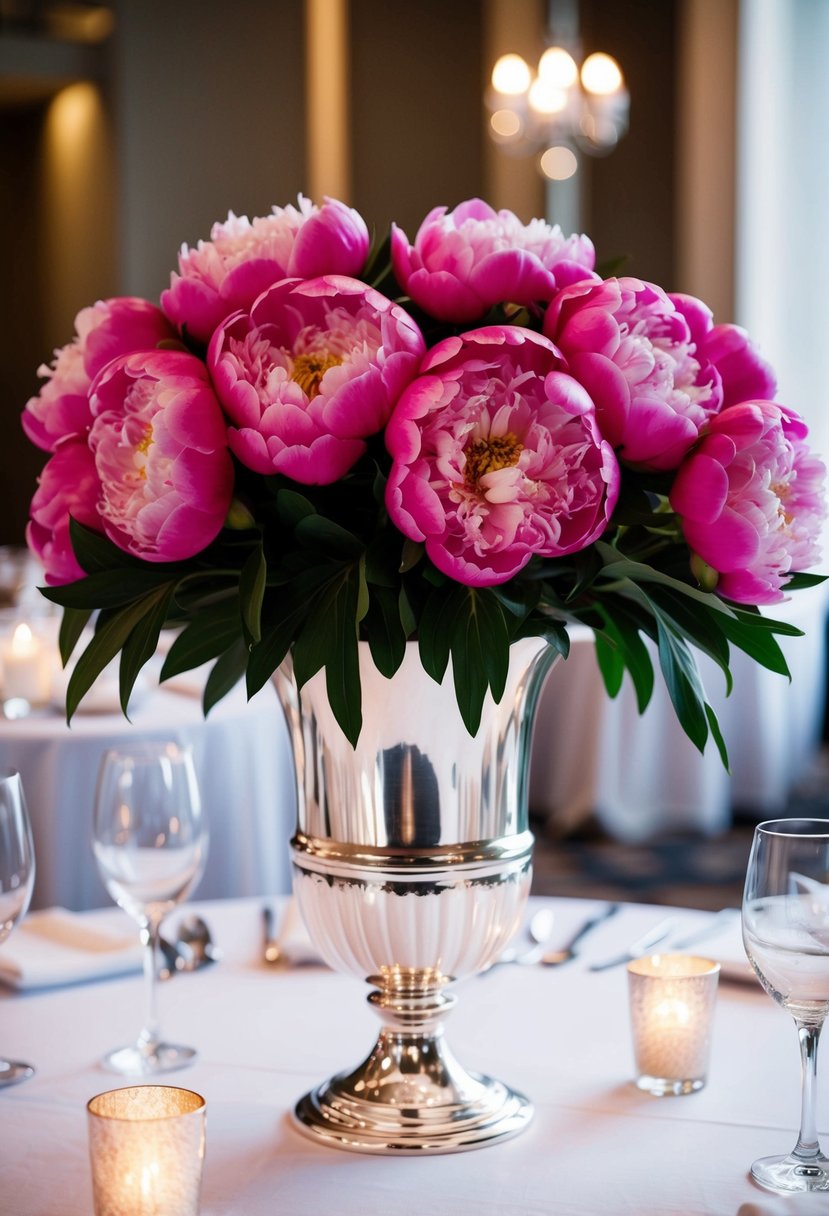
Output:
x,y
562,1035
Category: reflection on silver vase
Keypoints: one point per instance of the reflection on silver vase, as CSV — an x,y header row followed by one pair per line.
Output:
x,y
412,866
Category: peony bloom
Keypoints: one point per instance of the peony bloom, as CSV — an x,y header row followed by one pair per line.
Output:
x,y
633,351
68,485
244,257
309,373
160,450
464,262
106,330
744,374
497,457
751,501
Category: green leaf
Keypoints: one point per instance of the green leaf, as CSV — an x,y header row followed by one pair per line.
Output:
x,y
611,663
252,592
142,643
109,588
97,552
292,508
760,644
587,565
716,734
225,674
110,636
634,654
385,632
799,582
435,631
325,537
73,622
329,639
479,643
619,567
705,629
212,632
685,689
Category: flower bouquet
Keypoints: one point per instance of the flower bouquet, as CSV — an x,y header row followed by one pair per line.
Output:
x,y
462,441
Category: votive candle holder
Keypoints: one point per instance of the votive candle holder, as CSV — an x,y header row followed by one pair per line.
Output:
x,y
672,1001
146,1147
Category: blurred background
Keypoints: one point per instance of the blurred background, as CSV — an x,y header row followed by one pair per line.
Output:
x,y
127,128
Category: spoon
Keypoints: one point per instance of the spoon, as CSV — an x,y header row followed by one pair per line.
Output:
x,y
194,937
555,958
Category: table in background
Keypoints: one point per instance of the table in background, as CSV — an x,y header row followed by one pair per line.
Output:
x,y
245,772
596,1145
641,776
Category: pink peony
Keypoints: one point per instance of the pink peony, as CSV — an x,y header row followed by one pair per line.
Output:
x,y
161,453
310,372
633,351
104,331
744,374
68,485
750,498
243,258
497,457
464,262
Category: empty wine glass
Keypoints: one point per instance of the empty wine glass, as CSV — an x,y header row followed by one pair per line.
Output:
x,y
150,843
786,937
17,878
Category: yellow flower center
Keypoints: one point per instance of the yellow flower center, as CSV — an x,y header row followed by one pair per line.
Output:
x,y
488,455
141,449
309,370
782,491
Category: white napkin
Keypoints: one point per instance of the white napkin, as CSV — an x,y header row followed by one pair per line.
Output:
x,y
56,947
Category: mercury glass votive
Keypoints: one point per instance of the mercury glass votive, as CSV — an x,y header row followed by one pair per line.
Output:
x,y
672,999
146,1147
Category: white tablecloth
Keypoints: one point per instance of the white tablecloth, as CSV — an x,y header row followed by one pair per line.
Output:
x,y
596,1146
641,776
244,768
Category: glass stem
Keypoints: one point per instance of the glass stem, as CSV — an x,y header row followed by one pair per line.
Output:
x,y
149,940
807,1142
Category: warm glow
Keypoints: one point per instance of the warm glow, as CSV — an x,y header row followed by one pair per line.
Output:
x,y
505,123
511,75
22,639
547,98
601,74
558,163
558,68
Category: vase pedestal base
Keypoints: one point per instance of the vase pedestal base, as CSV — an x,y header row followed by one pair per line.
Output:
x,y
411,1097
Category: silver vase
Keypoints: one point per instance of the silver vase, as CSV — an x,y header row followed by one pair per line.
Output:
x,y
412,866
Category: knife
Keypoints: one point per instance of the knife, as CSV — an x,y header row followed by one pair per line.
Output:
x,y
641,946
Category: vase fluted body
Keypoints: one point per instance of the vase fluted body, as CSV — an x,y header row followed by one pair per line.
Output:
x,y
412,866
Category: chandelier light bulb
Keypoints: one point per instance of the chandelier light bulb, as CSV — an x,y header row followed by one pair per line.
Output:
x,y
505,124
601,74
547,98
558,163
558,68
511,75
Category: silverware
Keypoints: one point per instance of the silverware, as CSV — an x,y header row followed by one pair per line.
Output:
x,y
193,948
271,952
639,947
714,925
556,958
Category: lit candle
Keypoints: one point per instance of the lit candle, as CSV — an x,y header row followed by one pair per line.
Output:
x,y
27,668
672,998
146,1148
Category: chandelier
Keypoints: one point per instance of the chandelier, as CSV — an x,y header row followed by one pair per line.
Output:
x,y
559,110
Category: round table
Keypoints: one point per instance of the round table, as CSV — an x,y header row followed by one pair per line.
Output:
x,y
243,762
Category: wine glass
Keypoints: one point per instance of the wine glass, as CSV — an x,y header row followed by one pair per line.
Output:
x,y
17,878
786,938
150,843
